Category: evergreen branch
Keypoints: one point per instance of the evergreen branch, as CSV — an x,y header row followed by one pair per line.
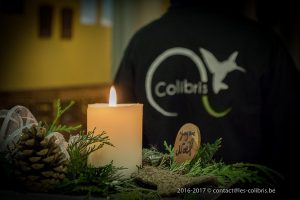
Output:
x,y
204,164
270,174
181,168
152,156
155,158
128,189
83,178
81,147
195,169
91,180
55,127
206,153
169,148
229,173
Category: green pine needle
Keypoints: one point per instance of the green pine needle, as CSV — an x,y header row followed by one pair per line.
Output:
x,y
169,148
55,127
203,164
206,153
81,147
83,178
271,176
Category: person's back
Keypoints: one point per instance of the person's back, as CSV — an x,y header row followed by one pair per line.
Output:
x,y
225,74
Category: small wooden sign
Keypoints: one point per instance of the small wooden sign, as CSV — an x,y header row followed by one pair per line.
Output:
x,y
187,143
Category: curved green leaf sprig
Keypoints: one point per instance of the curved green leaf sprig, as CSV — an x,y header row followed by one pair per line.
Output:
x,y
55,127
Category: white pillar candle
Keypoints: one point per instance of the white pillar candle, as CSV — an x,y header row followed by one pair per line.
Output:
x,y
123,125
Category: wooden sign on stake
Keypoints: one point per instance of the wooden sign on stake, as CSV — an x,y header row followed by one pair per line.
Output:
x,y
187,143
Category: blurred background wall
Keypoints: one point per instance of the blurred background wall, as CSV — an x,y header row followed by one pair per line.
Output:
x,y
99,33
33,61
66,49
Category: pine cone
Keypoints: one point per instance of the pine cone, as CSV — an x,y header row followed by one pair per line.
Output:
x,y
39,162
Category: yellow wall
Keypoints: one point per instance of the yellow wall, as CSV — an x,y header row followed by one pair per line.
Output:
x,y
30,62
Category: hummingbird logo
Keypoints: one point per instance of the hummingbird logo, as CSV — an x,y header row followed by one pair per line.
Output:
x,y
219,69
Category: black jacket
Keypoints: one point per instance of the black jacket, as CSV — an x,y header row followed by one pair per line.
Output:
x,y
226,74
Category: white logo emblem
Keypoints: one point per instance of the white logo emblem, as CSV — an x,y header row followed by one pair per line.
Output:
x,y
218,69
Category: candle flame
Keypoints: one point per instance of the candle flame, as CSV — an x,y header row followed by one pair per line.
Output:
x,y
112,97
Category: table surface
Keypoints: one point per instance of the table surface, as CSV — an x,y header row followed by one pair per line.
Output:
x,y
12,195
